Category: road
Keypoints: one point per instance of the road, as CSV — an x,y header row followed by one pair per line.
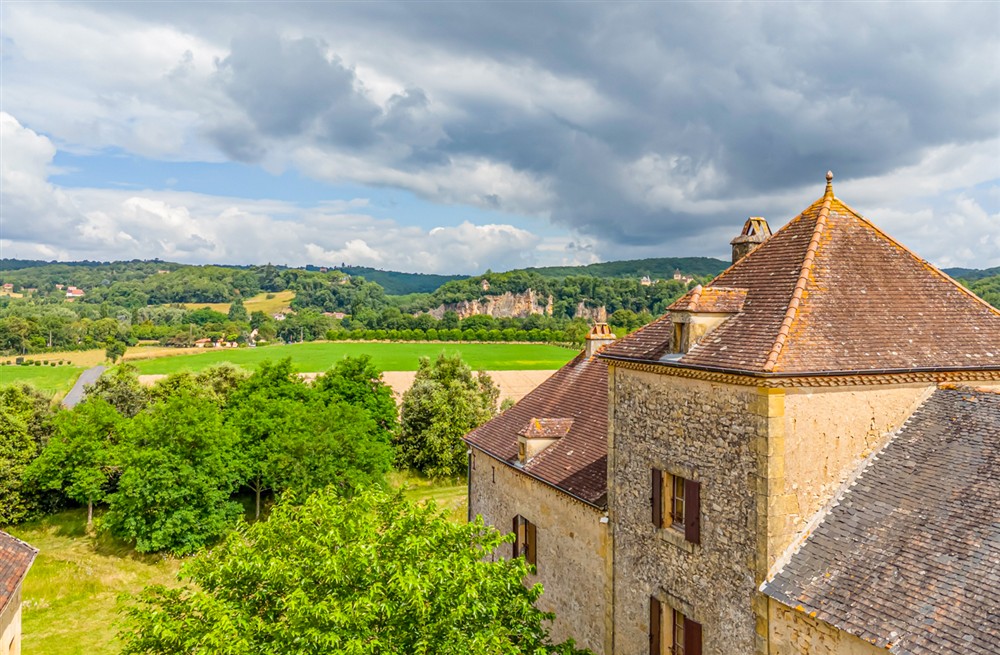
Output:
x,y
75,395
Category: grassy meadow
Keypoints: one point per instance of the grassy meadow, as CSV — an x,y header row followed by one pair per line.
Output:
x,y
316,356
50,380
320,356
258,303
71,593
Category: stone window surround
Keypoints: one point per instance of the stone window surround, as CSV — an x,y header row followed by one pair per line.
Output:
x,y
669,534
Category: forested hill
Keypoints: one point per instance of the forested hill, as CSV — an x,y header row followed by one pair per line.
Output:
x,y
401,284
656,268
972,274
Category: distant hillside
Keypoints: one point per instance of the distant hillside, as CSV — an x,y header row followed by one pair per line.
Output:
x,y
401,284
656,268
972,274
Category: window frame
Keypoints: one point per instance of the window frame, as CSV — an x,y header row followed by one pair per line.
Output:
x,y
525,540
669,489
671,631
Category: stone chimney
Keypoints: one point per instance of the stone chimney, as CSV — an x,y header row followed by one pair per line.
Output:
x,y
755,232
600,335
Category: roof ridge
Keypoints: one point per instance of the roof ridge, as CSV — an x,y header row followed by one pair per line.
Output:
x,y
800,284
934,269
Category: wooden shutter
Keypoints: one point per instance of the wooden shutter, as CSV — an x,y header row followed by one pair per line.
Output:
x,y
517,537
692,637
530,538
657,498
692,511
655,625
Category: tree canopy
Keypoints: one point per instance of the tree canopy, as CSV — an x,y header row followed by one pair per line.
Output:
x,y
375,574
444,403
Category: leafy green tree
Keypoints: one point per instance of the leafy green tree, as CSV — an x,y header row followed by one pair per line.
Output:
x,y
114,349
371,575
179,468
17,449
120,387
80,457
25,424
291,438
237,312
444,403
356,381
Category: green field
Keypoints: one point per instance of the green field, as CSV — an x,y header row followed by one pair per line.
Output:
x,y
71,593
50,380
316,357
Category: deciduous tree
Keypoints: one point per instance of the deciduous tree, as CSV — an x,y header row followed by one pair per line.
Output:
x,y
375,574
445,402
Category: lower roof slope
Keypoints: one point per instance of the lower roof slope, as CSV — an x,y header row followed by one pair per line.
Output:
x,y
577,462
909,557
15,560
831,293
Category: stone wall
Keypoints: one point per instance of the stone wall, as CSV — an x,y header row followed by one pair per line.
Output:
x,y
820,438
795,633
572,546
10,626
708,432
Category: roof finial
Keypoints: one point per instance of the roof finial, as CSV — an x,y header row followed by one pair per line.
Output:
x,y
829,183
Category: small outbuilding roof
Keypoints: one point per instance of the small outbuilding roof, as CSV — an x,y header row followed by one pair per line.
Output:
x,y
572,405
909,556
16,558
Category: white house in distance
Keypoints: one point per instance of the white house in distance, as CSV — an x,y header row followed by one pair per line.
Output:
x,y
16,558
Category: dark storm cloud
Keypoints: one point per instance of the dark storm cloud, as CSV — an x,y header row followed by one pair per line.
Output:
x,y
715,101
288,86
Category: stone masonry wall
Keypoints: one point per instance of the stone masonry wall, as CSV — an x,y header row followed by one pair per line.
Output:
x,y
794,633
709,432
572,546
821,438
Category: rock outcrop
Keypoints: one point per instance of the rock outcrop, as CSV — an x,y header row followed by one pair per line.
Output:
x,y
507,305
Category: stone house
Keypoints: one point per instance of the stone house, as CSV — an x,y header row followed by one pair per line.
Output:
x,y
539,470
803,456
16,558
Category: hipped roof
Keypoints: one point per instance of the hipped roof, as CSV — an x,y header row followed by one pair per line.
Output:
x,y
831,293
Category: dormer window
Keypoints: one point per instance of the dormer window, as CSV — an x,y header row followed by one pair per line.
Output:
x,y
698,312
539,434
680,334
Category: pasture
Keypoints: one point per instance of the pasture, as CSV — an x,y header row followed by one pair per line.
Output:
x,y
320,356
259,303
50,380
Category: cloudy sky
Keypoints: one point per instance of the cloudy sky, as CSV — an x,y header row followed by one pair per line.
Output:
x,y
454,137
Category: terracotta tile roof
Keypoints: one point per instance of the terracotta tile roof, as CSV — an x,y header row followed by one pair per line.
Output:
x,y
576,397
909,557
829,293
15,560
546,428
712,300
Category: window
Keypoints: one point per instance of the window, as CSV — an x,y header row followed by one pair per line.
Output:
x,y
670,632
676,504
678,337
525,540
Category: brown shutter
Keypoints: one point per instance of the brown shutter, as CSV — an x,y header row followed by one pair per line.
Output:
x,y
655,624
530,537
692,637
657,498
516,538
692,511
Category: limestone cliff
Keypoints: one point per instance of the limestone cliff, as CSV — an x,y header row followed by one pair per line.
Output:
x,y
507,305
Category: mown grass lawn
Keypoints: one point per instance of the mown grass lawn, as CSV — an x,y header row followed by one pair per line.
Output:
x,y
71,595
50,380
320,356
